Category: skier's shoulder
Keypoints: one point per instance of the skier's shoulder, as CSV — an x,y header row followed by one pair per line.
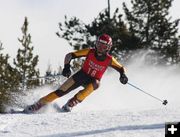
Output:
x,y
81,52
115,62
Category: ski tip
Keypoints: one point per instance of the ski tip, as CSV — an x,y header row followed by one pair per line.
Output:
x,y
13,111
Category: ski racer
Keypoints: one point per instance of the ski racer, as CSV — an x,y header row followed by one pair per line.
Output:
x,y
96,62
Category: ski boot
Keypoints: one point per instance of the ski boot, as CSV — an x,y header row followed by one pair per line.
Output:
x,y
70,104
34,107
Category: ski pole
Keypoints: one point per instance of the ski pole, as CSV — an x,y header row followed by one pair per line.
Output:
x,y
164,102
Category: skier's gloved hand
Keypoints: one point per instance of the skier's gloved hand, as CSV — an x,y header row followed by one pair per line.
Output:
x,y
66,70
123,79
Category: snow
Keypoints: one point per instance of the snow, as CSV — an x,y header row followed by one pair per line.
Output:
x,y
120,123
113,110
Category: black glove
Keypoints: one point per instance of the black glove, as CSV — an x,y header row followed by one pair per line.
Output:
x,y
66,70
123,79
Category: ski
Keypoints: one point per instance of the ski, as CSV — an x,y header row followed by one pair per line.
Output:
x,y
14,111
58,108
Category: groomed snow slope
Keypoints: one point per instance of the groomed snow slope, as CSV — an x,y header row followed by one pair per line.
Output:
x,y
116,123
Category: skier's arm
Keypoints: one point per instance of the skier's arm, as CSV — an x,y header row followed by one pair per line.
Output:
x,y
117,66
72,55
76,54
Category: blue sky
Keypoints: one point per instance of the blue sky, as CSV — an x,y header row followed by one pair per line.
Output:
x,y
44,16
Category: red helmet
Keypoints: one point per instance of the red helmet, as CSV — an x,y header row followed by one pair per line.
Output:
x,y
104,43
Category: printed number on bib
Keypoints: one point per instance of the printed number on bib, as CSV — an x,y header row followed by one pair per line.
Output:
x,y
92,72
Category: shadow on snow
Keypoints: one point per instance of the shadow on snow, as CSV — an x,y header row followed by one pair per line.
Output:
x,y
100,131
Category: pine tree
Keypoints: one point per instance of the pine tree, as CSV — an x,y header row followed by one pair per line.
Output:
x,y
123,40
150,21
25,61
53,78
8,80
49,76
81,35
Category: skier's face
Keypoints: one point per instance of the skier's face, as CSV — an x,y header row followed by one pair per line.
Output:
x,y
101,48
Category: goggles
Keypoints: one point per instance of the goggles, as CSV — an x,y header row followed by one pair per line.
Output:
x,y
102,47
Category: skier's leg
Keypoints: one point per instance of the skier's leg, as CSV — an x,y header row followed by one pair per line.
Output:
x,y
81,95
65,88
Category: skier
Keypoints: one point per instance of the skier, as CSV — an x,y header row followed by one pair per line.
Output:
x,y
96,62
